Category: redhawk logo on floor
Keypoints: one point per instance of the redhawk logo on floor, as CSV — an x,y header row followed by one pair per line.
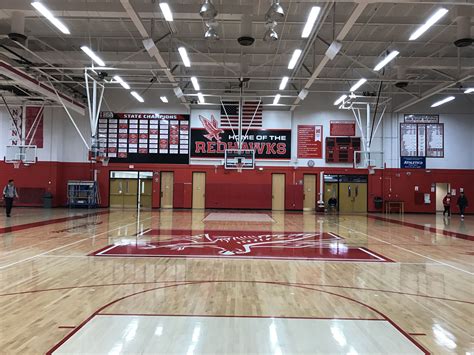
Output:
x,y
251,244
212,141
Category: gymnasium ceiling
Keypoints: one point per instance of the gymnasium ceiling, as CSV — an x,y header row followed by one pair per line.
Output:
x,y
367,30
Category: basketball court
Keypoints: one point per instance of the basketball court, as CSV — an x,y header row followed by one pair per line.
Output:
x,y
250,177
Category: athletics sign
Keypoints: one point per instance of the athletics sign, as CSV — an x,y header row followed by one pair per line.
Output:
x,y
212,141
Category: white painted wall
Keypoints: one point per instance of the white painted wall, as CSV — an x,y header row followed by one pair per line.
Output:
x,y
62,143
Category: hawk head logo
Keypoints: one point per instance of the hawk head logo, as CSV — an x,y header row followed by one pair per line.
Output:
x,y
211,126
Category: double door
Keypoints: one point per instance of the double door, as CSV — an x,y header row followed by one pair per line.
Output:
x,y
353,197
130,193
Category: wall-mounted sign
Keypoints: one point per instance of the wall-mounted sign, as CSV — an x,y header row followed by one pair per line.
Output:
x,y
413,163
212,141
310,142
420,118
422,139
145,137
342,128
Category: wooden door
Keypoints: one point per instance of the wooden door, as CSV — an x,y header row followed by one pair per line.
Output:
x,y
309,192
116,193
352,197
199,190
278,192
167,190
130,193
145,193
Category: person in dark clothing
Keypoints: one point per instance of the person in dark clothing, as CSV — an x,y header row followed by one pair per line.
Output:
x,y
332,204
462,203
9,193
447,204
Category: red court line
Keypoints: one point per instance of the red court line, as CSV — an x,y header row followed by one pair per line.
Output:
x,y
20,227
97,312
298,284
424,228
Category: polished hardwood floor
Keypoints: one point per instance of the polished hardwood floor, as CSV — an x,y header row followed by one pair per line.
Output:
x,y
51,285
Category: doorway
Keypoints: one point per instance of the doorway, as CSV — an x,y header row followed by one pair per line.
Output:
x,y
167,180
309,192
278,192
199,190
442,189
130,189
353,197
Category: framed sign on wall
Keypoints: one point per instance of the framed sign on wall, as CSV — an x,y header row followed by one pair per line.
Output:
x,y
310,141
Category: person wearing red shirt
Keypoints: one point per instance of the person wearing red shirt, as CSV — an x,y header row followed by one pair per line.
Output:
x,y
447,204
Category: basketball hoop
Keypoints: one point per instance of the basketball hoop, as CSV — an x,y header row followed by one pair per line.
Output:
x,y
371,169
105,161
16,164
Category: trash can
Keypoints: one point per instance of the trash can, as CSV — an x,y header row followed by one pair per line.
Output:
x,y
378,202
48,200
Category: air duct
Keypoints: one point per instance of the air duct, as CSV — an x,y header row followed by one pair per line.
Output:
x,y
17,33
463,38
401,77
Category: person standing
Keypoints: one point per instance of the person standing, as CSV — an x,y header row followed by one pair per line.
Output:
x,y
9,193
447,204
462,203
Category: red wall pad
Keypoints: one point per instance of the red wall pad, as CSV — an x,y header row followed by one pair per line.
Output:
x,y
250,189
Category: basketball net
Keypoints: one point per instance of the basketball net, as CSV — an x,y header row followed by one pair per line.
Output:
x,y
239,167
16,164
105,161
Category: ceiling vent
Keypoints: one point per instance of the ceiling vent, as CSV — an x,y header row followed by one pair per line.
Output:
x,y
464,38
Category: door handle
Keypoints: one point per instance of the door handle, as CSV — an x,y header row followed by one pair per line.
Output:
x,y
161,194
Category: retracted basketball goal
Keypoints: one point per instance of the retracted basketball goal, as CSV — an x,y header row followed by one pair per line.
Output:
x,y
239,159
20,154
368,160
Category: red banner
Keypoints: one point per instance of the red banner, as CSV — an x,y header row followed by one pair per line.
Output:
x,y
34,126
342,128
310,142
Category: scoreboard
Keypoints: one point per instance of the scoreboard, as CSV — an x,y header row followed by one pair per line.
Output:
x,y
144,137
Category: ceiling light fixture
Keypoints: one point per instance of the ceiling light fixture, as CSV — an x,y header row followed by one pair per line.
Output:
x,y
164,99
443,101
294,58
270,33
165,9
138,97
312,17
211,32
357,85
184,56
303,93
119,80
340,100
430,22
386,60
276,99
283,83
49,15
178,92
275,12
469,90
208,11
195,83
201,98
93,56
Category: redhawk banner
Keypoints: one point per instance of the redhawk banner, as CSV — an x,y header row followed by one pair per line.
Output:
x,y
212,141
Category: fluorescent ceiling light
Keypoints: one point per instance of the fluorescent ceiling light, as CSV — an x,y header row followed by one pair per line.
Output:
x,y
184,56
283,83
93,56
303,93
443,101
313,15
430,22
386,60
138,97
340,100
201,98
294,58
119,80
276,99
46,13
358,85
469,90
178,92
164,99
195,83
165,9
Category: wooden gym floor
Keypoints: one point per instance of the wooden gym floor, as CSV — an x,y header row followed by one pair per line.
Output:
x,y
195,282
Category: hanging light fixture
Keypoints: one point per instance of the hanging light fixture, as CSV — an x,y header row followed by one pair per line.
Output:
x,y
275,12
207,10
211,32
270,33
